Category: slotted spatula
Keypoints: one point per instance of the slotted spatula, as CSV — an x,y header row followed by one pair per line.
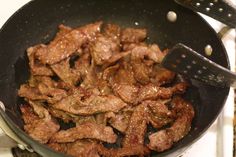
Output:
x,y
183,60
220,10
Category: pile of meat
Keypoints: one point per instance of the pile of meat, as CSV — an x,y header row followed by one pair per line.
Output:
x,y
109,84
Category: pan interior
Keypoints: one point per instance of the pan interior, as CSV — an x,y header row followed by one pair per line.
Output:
x,y
37,23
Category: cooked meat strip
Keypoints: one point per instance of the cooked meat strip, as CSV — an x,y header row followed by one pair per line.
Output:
x,y
116,57
59,147
41,129
84,119
104,87
31,93
42,92
152,52
80,148
92,105
54,94
82,65
163,139
37,68
67,44
102,49
66,117
85,130
159,114
83,149
141,71
127,93
63,30
108,73
136,130
103,118
39,109
159,109
132,35
160,141
28,114
151,91
137,150
44,85
65,73
120,74
121,120
113,31
161,75
185,114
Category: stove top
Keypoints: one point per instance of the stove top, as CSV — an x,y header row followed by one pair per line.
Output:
x,y
217,141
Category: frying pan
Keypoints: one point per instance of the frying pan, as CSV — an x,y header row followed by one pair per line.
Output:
x,y
37,22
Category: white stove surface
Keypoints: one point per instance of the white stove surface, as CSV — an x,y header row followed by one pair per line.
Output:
x,y
218,140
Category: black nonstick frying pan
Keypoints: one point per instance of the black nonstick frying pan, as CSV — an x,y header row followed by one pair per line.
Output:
x,y
37,22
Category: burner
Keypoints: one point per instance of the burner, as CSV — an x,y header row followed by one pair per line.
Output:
x,y
17,152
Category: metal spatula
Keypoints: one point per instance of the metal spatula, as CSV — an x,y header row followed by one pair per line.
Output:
x,y
182,59
220,10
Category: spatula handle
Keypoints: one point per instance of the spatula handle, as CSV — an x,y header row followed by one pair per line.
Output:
x,y
182,59
217,9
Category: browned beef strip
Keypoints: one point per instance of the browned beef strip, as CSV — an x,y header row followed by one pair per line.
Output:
x,y
31,93
132,35
116,57
48,88
161,75
65,73
67,44
141,71
54,94
160,141
120,74
159,109
84,119
163,139
127,93
113,31
152,52
102,49
60,114
151,91
59,147
80,148
185,114
85,130
138,150
63,30
108,73
28,114
39,109
36,67
92,105
41,129
136,130
82,65
121,120
159,114
103,118
83,149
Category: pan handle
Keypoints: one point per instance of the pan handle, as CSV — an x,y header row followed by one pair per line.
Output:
x,y
218,9
12,137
